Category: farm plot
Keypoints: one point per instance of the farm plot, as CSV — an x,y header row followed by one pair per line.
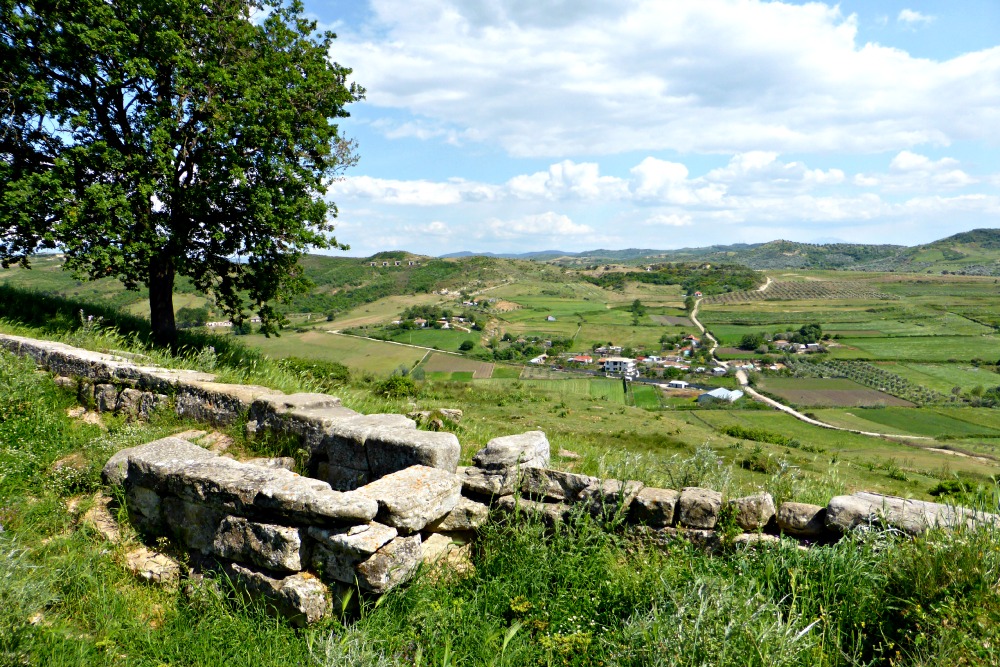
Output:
x,y
672,320
442,339
944,377
832,392
806,290
356,353
919,348
917,421
449,363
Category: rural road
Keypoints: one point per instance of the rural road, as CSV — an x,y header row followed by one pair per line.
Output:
x,y
744,381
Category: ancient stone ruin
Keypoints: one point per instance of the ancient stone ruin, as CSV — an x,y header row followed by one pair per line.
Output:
x,y
380,497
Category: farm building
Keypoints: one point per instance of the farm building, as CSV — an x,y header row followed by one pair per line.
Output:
x,y
539,360
694,340
618,365
678,384
581,359
720,394
550,318
719,370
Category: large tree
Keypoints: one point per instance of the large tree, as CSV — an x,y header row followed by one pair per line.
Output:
x,y
151,139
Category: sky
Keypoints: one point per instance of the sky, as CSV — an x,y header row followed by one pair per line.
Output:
x,y
525,125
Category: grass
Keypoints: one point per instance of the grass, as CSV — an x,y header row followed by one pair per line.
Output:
x,y
926,422
826,392
944,377
359,354
919,349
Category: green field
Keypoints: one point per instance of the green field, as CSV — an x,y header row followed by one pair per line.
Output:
x,y
920,349
915,421
356,353
826,392
441,339
944,377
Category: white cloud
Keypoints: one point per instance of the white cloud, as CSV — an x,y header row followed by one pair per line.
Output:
x,y
568,179
913,17
548,224
669,220
732,76
410,193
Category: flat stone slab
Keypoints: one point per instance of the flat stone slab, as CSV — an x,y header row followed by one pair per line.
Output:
x,y
845,513
278,404
485,483
358,541
410,499
526,450
344,440
115,470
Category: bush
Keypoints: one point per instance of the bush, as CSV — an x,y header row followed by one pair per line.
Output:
x,y
466,345
397,386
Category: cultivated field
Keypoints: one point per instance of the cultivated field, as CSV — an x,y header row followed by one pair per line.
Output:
x,y
450,364
356,353
827,392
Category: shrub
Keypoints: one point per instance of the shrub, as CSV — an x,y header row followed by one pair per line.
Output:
x,y
397,386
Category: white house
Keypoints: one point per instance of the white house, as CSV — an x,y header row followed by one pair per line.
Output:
x,y
678,384
618,365
719,370
720,394
539,360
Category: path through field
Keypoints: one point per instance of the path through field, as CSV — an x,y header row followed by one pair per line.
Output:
x,y
744,381
392,342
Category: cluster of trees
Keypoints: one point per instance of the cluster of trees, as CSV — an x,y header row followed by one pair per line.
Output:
x,y
155,140
807,333
704,278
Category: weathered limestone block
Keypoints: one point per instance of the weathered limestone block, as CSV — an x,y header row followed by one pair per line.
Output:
x,y
116,469
139,404
699,508
468,515
551,514
193,525
755,539
753,512
309,424
343,445
526,450
64,382
913,517
452,414
609,497
555,484
269,546
802,520
337,553
412,498
196,475
479,482
393,449
275,404
707,539
391,565
105,397
654,507
301,598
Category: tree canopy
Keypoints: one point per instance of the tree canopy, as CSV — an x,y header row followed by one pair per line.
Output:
x,y
150,139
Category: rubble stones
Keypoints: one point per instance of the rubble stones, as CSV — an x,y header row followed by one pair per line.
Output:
x,y
105,397
609,497
555,484
526,450
551,514
152,566
753,512
699,508
361,541
467,515
479,482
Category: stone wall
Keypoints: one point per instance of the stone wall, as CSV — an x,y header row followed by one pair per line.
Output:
x,y
380,496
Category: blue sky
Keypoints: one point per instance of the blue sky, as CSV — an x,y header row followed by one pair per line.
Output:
x,y
520,125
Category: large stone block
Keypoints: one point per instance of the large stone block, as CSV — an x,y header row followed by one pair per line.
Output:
x,y
410,499
338,553
753,512
116,469
217,402
913,517
269,546
555,484
391,565
276,404
467,515
343,444
526,450
393,449
146,504
802,520
699,508
654,507
309,424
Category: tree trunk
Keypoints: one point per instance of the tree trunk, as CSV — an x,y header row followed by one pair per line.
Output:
x,y
161,301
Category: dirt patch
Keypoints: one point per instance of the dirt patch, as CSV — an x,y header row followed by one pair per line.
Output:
x,y
506,306
833,398
448,363
671,320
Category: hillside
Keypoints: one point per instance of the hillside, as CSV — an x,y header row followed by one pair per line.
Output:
x,y
976,252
